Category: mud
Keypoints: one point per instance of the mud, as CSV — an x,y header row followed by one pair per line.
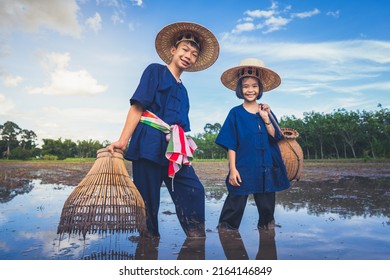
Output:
x,y
16,174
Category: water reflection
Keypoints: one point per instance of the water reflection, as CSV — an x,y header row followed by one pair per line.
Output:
x,y
147,249
267,247
193,249
350,196
232,244
234,249
15,188
354,209
110,255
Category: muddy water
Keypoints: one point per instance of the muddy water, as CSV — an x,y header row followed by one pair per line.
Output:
x,y
345,219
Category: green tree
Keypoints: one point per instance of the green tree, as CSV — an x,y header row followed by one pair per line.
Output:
x,y
310,131
207,148
349,127
87,149
9,134
383,119
212,128
61,149
335,139
28,139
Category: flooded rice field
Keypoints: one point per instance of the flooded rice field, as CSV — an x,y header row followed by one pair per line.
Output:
x,y
337,211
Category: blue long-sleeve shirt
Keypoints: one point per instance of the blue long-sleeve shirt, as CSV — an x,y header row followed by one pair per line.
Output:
x,y
160,93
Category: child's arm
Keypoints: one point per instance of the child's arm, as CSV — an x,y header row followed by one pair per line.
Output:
x,y
270,128
234,175
132,120
264,111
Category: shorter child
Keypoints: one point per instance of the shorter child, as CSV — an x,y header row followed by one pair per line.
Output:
x,y
250,138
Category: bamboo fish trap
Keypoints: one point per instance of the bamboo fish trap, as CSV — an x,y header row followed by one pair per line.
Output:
x,y
106,200
291,151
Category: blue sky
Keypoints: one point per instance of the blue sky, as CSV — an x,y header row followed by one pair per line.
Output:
x,y
68,68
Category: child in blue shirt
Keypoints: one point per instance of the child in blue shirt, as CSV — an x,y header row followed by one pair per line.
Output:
x,y
183,46
250,138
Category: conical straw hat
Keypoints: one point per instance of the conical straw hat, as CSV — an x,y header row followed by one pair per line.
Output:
x,y
209,46
251,67
106,200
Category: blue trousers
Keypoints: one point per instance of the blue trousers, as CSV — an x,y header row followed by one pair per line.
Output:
x,y
234,206
186,190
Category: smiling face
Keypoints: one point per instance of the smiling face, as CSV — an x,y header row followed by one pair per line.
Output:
x,y
250,89
184,55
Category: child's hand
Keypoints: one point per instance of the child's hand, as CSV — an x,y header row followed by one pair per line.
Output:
x,y
264,111
116,145
265,107
234,178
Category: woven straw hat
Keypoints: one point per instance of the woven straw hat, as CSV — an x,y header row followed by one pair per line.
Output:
x,y
169,35
251,67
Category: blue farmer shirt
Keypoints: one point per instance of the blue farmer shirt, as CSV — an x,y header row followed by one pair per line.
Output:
x,y
160,93
258,158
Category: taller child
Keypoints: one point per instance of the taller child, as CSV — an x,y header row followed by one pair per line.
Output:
x,y
183,46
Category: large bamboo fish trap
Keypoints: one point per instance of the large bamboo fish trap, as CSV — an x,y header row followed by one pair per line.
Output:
x,y
291,151
106,200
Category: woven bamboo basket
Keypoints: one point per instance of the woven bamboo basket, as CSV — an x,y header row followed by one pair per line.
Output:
x,y
292,153
106,200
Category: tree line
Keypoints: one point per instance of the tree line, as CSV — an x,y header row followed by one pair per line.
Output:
x,y
18,143
343,134
340,134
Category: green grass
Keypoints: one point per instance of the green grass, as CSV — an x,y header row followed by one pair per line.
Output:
x,y
78,160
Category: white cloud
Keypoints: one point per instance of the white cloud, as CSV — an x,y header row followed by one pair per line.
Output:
x,y
260,13
57,15
275,23
95,23
248,26
306,14
270,20
66,82
12,81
